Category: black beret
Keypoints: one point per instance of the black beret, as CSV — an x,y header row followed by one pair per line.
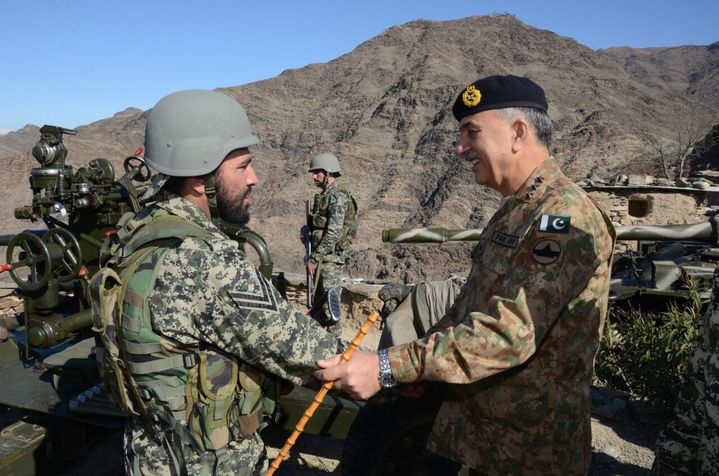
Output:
x,y
496,92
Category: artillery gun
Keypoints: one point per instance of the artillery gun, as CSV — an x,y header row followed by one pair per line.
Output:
x,y
52,404
665,259
45,364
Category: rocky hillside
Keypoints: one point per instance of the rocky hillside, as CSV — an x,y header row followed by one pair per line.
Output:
x,y
688,70
384,108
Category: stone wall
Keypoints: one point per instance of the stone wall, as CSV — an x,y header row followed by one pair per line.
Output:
x,y
635,206
663,208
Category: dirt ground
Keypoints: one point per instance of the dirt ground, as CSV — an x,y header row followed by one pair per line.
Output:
x,y
618,448
622,447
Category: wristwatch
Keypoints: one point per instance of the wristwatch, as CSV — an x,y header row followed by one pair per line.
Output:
x,y
386,379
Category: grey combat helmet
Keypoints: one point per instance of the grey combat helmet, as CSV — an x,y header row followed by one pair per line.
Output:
x,y
189,133
327,162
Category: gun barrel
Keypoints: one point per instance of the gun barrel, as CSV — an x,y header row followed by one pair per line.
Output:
x,y
5,239
51,331
704,231
429,235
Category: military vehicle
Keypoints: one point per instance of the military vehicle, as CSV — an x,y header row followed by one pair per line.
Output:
x,y
52,404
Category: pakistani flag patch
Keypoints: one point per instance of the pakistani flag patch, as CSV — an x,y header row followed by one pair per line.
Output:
x,y
554,224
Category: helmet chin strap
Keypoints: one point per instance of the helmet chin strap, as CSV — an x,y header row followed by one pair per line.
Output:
x,y
211,194
325,181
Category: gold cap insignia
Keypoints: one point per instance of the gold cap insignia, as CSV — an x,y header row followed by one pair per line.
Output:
x,y
471,96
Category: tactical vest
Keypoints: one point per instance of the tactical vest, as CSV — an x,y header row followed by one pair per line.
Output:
x,y
202,398
319,212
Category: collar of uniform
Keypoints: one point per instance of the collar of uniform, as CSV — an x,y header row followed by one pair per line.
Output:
x,y
329,187
538,180
183,208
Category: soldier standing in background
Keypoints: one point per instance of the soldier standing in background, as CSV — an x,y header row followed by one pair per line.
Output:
x,y
690,443
517,347
334,225
201,330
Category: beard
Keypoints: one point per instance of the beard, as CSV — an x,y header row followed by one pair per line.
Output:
x,y
230,205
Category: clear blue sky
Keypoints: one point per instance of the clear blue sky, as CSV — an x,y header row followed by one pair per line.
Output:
x,y
72,62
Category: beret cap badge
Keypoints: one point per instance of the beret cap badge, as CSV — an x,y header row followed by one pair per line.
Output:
x,y
471,96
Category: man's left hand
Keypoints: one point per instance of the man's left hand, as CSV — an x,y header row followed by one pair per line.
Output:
x,y
312,267
359,377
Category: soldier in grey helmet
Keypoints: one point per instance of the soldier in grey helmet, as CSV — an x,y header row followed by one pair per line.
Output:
x,y
203,332
333,221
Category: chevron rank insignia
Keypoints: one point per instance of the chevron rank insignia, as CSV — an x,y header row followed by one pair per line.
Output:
x,y
554,223
264,299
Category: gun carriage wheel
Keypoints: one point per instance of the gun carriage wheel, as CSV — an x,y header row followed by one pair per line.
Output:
x,y
65,248
32,253
142,170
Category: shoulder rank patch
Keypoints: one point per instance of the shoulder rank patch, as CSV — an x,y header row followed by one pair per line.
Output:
x,y
546,251
554,223
265,299
503,239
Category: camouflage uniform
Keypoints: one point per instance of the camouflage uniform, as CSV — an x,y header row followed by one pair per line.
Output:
x,y
325,247
425,306
518,345
208,294
690,443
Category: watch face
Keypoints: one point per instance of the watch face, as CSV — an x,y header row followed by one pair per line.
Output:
x,y
388,381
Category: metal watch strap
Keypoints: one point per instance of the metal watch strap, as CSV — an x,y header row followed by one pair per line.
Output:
x,y
386,379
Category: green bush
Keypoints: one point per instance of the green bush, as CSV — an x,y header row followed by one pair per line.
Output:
x,y
647,355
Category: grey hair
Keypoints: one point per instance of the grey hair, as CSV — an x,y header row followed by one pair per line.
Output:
x,y
539,121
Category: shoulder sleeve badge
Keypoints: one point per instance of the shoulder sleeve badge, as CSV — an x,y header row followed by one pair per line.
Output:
x,y
546,251
554,223
471,96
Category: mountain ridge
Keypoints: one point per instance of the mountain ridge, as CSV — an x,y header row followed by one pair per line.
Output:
x,y
384,108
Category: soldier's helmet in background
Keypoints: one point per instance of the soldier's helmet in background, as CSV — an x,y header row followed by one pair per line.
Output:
x,y
327,162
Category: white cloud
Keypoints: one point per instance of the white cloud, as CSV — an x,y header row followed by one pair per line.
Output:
x,y
4,131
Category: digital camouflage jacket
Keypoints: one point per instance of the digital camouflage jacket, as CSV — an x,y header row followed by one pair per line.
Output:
x,y
689,445
518,345
208,294
334,224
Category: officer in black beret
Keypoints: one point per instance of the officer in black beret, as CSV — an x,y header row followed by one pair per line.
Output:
x,y
509,97
518,345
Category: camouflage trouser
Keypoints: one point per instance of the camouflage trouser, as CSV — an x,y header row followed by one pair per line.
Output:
x,y
145,455
426,305
330,276
690,443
